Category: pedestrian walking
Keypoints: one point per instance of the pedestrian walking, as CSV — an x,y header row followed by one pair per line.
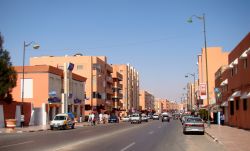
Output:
x,y
22,120
222,119
100,118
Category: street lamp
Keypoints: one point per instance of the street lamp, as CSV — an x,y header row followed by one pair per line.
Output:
x,y
35,46
186,76
205,43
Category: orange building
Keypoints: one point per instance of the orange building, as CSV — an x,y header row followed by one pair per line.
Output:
x,y
215,59
117,90
44,95
99,82
130,87
146,101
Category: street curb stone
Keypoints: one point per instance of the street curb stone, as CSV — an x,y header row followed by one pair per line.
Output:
x,y
213,137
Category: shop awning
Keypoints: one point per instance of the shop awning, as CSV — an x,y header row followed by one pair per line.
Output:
x,y
236,94
224,104
225,82
244,54
245,95
231,98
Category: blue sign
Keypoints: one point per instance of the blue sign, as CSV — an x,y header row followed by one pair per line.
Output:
x,y
54,100
70,66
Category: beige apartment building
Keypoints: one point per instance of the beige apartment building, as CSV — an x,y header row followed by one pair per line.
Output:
x,y
130,87
146,101
98,72
117,90
215,59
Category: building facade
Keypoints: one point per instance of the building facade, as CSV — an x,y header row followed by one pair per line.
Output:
x,y
99,84
44,95
146,101
215,59
239,84
130,87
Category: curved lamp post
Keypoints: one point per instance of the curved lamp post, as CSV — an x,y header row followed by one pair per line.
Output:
x,y
205,43
35,46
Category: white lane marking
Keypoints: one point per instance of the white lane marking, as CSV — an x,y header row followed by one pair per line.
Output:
x,y
127,147
159,127
5,146
151,132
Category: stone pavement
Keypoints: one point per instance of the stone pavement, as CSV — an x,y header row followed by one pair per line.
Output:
x,y
34,128
233,139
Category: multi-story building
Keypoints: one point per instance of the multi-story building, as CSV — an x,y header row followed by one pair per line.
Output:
x,y
146,101
158,106
96,69
117,89
239,84
44,94
130,87
221,89
215,59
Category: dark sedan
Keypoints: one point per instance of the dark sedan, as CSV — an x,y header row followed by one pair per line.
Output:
x,y
113,119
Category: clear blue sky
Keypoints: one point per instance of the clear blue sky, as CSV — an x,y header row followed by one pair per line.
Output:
x,y
151,35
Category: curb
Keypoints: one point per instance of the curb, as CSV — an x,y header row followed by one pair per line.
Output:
x,y
213,137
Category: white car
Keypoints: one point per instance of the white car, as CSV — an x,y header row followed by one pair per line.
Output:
x,y
126,119
63,121
135,118
156,117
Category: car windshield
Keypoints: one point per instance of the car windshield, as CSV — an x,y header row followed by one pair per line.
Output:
x,y
59,118
194,120
135,115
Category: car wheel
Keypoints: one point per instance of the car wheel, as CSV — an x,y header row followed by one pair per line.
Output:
x,y
184,132
52,128
73,126
131,122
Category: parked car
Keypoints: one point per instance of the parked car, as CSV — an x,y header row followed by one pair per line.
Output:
x,y
126,119
156,117
135,118
63,121
193,124
113,119
183,118
144,118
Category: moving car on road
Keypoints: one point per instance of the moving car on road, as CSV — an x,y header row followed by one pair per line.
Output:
x,y
156,117
63,121
193,124
165,117
135,118
126,119
113,119
144,118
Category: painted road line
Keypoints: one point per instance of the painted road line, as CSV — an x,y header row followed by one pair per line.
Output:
x,y
151,132
5,146
159,127
127,147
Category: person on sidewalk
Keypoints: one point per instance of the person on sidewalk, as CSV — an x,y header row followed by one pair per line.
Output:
x,y
22,120
222,119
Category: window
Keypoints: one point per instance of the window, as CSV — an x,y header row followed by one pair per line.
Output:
x,y
245,63
28,88
79,67
244,104
231,107
235,70
237,104
232,72
60,67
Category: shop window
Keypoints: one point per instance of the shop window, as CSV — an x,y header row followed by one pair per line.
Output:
x,y
244,104
231,107
237,104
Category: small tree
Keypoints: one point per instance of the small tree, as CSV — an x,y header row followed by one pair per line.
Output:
x,y
8,76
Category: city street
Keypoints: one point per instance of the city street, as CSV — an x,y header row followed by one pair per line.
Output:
x,y
151,136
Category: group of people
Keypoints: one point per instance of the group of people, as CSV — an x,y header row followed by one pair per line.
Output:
x,y
98,118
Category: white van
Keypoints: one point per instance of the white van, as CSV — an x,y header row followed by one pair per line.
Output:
x,y
63,121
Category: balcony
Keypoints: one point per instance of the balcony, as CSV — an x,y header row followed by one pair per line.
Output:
x,y
117,75
117,86
109,79
117,96
109,68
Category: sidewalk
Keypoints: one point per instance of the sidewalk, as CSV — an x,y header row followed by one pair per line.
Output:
x,y
233,139
35,128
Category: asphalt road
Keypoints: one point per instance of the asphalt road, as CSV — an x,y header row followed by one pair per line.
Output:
x,y
151,136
